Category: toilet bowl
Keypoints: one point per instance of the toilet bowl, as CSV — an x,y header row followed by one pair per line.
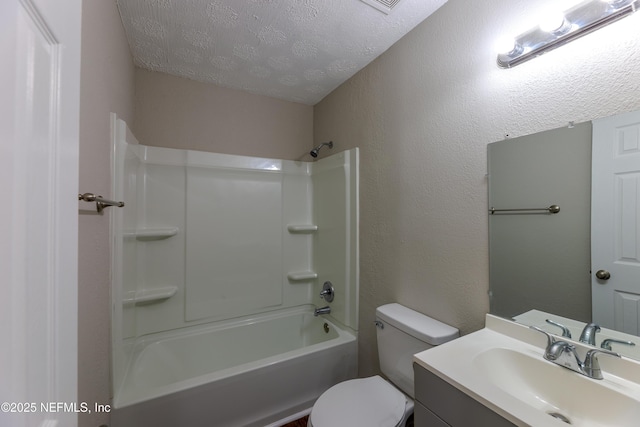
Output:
x,y
375,401
361,402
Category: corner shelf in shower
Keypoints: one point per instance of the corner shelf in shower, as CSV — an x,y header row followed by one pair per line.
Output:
x,y
146,296
298,276
145,234
302,228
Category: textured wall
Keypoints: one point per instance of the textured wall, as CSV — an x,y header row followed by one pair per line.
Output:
x,y
180,113
107,78
422,115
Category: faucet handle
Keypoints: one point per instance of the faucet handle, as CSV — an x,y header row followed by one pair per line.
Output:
x,y
327,292
606,344
558,350
565,331
550,339
591,364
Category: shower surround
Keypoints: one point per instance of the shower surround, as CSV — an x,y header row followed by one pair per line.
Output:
x,y
218,262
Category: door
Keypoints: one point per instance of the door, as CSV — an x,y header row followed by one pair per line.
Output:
x,y
615,222
39,107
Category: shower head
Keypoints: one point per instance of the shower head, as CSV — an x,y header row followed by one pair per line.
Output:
x,y
314,152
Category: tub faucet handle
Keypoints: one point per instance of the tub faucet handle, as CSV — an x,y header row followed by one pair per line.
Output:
x,y
327,292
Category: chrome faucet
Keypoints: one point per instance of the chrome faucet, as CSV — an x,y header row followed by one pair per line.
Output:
x,y
564,354
588,335
322,310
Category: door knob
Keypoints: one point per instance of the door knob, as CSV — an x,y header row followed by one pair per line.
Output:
x,y
603,275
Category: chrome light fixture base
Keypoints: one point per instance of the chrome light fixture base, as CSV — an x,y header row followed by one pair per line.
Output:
x,y
580,20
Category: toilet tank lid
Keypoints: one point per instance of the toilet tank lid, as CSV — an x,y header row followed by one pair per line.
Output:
x,y
417,324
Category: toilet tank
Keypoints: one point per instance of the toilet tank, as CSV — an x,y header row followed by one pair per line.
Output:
x,y
401,333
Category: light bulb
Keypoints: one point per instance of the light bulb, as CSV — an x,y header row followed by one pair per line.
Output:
x,y
506,45
553,22
616,3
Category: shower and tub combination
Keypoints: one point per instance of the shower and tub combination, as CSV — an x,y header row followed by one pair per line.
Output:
x,y
219,262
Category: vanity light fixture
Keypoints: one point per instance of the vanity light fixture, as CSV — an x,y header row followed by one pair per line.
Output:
x,y
559,29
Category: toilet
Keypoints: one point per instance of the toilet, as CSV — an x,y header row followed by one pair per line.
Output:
x,y
375,401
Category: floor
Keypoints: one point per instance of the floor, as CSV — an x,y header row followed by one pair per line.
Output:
x,y
302,422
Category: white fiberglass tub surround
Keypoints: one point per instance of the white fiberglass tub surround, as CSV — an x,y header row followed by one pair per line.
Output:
x,y
218,262
263,368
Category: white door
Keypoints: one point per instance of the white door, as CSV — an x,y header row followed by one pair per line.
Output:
x,y
39,107
615,222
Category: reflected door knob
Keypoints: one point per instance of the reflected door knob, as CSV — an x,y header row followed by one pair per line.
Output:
x,y
603,275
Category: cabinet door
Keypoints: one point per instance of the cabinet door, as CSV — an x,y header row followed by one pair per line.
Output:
x,y
425,418
450,404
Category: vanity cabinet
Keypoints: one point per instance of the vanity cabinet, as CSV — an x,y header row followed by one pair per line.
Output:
x,y
439,404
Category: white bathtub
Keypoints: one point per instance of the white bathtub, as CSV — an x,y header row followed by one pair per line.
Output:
x,y
246,372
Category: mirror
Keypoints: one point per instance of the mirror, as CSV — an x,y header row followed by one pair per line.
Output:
x,y
540,261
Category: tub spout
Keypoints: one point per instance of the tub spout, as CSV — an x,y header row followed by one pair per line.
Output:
x,y
322,310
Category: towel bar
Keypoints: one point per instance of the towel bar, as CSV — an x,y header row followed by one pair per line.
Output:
x,y
554,209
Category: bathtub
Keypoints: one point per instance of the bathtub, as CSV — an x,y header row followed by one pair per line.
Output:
x,y
251,371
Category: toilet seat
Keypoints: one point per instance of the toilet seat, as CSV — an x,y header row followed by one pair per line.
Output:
x,y
363,402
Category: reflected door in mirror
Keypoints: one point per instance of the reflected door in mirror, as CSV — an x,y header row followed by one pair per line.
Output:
x,y
615,222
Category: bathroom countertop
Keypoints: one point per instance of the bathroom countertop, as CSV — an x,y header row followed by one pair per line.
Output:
x,y
457,363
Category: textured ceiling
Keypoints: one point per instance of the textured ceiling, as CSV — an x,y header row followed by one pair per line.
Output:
x,y
298,50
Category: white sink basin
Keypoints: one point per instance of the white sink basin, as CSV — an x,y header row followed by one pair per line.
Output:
x,y
502,367
557,391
